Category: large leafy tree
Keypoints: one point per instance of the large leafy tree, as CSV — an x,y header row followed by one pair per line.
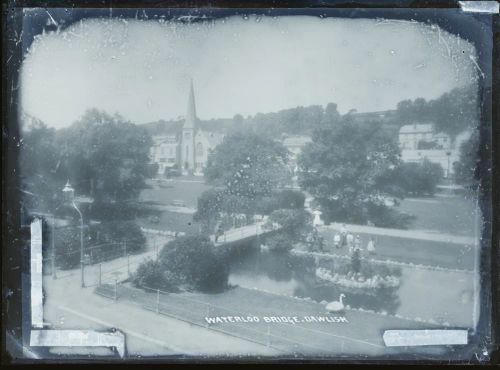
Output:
x,y
349,170
105,156
248,165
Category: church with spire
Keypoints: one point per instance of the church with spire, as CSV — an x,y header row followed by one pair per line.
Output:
x,y
187,151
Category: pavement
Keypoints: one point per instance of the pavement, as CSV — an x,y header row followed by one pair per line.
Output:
x,y
426,235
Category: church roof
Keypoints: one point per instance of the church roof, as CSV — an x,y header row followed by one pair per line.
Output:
x,y
190,121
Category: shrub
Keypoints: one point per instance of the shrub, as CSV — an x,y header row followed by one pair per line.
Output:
x,y
121,231
195,263
383,216
151,274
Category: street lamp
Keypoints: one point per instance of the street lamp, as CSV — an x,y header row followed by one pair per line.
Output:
x,y
448,153
69,197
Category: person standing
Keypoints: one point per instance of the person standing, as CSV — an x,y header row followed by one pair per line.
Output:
x,y
357,242
336,240
350,240
370,248
343,235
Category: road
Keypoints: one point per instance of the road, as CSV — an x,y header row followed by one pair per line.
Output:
x,y
68,306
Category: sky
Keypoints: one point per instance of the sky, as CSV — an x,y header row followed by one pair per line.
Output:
x,y
141,69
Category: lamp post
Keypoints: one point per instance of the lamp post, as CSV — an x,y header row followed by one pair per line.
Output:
x,y
448,153
69,196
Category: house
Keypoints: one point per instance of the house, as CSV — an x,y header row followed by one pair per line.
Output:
x,y
419,141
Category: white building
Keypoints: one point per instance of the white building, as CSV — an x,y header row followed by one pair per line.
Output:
x,y
411,135
165,152
419,142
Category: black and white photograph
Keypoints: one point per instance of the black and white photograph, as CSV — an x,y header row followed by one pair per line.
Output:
x,y
250,184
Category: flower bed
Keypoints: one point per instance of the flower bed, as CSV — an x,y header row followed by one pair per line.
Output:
x,y
352,280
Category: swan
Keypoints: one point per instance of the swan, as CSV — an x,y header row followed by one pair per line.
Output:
x,y
336,306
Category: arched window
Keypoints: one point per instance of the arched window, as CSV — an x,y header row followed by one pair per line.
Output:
x,y
199,149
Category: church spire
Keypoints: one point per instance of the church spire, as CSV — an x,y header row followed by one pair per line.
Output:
x,y
190,122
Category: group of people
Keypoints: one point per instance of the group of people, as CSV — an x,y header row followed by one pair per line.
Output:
x,y
345,238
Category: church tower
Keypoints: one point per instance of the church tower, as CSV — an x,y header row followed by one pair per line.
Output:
x,y
188,134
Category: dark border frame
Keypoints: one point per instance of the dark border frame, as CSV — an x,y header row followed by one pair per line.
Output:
x,y
474,27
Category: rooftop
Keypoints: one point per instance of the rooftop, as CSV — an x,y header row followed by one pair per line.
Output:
x,y
417,128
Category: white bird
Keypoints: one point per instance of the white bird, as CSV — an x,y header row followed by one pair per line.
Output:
x,y
336,306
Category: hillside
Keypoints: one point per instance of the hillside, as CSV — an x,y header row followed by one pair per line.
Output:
x,y
452,113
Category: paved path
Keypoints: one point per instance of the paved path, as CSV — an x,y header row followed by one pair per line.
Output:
x,y
407,234
240,233
408,249
68,306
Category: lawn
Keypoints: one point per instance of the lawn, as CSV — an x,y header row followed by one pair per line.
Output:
x,y
171,221
448,215
185,189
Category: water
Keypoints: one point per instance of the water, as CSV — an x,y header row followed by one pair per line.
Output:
x,y
442,296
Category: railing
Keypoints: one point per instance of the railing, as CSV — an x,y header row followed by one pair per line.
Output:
x,y
241,233
283,337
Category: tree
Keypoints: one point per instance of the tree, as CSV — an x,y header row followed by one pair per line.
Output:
x,y
466,168
209,208
349,169
121,232
195,263
288,199
356,261
248,165
420,178
291,199
105,156
452,113
152,169
294,222
238,119
295,225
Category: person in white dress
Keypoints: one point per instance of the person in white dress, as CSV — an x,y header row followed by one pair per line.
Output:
x,y
350,240
357,242
370,248
336,240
